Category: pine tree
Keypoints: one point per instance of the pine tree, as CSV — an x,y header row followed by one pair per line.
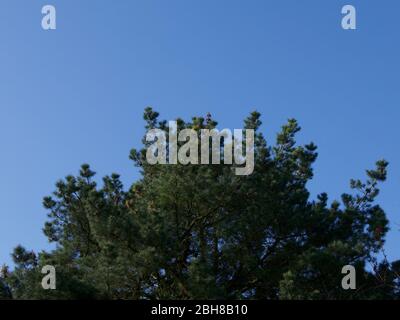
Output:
x,y
201,232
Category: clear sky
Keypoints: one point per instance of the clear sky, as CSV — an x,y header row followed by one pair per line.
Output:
x,y
76,95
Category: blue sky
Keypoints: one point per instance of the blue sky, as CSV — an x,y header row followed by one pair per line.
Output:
x,y
76,95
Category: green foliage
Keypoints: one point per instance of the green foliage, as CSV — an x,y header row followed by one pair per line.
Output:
x,y
201,232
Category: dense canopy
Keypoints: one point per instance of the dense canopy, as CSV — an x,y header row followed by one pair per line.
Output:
x,y
202,232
